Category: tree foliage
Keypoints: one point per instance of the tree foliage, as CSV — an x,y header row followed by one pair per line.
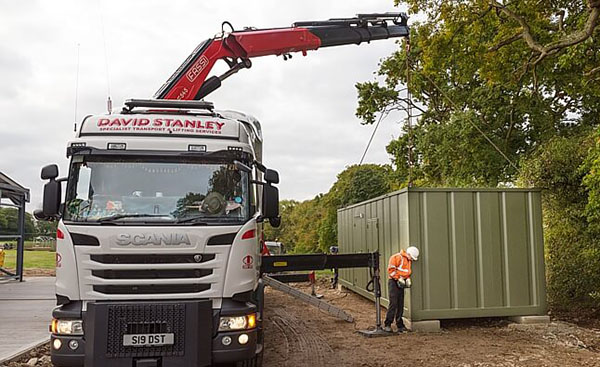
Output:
x,y
9,222
46,228
311,226
571,233
590,169
518,74
355,184
508,93
285,232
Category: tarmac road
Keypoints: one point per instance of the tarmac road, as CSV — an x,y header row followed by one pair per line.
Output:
x,y
25,313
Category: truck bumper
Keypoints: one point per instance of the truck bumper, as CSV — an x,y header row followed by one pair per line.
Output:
x,y
202,346
65,355
235,351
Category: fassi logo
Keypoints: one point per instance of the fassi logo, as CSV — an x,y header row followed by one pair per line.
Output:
x,y
197,68
162,122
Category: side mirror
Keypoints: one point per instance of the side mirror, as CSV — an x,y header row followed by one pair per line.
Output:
x,y
271,176
52,192
275,222
52,196
270,198
50,172
39,215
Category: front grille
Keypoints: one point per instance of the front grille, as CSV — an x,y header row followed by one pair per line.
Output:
x,y
152,274
147,327
145,319
151,288
153,258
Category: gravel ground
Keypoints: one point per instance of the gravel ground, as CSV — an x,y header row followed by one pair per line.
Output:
x,y
39,357
300,335
36,272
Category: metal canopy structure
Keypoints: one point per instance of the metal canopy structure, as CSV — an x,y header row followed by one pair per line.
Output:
x,y
13,195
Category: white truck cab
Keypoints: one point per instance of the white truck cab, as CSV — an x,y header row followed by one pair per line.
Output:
x,y
159,239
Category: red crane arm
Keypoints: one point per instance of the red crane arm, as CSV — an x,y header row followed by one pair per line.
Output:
x,y
237,48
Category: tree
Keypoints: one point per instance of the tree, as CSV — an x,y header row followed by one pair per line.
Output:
x,y
508,93
572,250
355,184
493,81
9,222
283,232
311,226
299,224
3,221
46,228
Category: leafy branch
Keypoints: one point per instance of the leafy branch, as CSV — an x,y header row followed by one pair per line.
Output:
x,y
544,50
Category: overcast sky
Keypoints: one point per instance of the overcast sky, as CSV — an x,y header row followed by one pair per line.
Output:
x,y
306,105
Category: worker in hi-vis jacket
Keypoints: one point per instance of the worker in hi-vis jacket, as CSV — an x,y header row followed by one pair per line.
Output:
x,y
399,271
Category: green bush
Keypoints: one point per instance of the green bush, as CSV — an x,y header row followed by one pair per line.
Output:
x,y
311,226
562,167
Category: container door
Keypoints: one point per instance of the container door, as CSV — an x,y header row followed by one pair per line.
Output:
x,y
373,235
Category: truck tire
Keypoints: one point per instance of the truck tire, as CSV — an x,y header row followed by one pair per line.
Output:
x,y
258,298
257,360
254,362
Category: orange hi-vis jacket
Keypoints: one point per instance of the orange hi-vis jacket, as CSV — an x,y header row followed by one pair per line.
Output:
x,y
399,266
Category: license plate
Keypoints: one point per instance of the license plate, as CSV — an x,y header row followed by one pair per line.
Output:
x,y
144,340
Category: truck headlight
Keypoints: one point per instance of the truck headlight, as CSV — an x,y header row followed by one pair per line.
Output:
x,y
229,323
66,327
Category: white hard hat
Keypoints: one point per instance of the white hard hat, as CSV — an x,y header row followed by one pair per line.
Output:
x,y
413,252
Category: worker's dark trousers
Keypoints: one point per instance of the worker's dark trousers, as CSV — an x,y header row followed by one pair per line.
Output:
x,y
396,307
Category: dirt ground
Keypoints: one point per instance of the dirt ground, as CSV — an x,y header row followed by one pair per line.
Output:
x,y
39,272
299,335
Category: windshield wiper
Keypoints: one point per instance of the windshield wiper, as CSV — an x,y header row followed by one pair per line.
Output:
x,y
121,216
195,220
209,220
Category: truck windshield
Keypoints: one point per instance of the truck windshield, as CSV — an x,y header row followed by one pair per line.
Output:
x,y
157,191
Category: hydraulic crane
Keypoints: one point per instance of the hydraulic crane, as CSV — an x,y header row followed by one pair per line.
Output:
x,y
191,82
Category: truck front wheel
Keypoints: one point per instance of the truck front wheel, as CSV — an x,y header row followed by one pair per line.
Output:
x,y
257,360
254,362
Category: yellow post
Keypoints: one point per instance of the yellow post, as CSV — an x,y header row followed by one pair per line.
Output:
x,y
1,257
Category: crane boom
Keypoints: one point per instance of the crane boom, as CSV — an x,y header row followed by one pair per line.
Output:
x,y
190,80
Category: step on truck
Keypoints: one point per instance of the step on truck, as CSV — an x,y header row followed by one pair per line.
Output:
x,y
160,231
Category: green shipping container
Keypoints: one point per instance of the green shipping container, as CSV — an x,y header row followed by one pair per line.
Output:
x,y
482,250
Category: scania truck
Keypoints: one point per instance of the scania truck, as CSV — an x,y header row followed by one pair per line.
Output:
x,y
160,230
158,249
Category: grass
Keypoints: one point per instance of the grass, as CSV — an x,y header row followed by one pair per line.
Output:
x,y
31,244
31,260
324,273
